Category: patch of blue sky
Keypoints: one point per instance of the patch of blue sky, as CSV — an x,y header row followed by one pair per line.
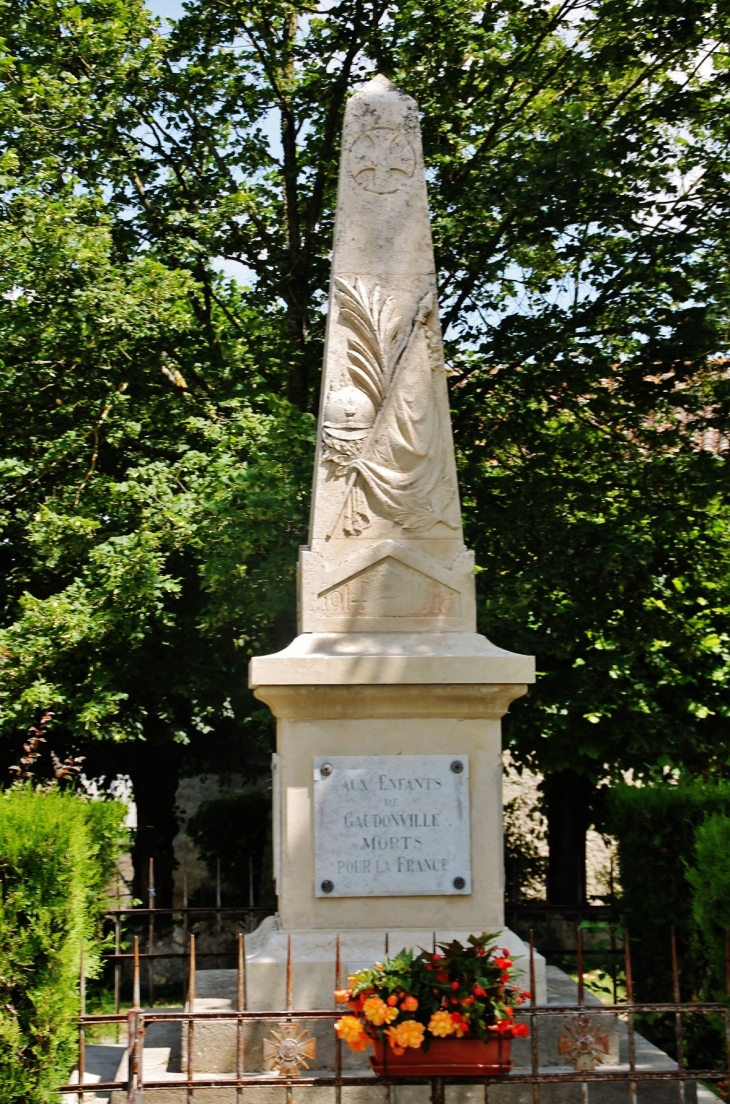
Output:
x,y
167,10
236,271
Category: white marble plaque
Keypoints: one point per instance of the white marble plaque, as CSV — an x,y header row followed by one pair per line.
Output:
x,y
392,825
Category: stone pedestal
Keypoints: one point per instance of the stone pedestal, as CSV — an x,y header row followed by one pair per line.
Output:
x,y
387,695
379,694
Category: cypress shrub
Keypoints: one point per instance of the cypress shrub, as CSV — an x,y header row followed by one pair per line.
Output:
x,y
57,854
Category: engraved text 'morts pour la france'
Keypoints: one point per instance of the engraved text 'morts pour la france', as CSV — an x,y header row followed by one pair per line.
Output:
x,y
392,825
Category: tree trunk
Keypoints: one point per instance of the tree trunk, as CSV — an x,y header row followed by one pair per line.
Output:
x,y
154,770
568,799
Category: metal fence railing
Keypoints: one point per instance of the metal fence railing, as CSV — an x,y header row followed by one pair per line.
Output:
x,y
583,1062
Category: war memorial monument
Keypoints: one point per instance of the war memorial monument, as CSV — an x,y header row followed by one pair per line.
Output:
x,y
387,775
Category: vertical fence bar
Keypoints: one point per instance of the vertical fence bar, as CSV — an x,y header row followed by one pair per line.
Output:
x,y
136,995
251,903
534,1050
240,1006
191,1021
437,1090
289,1001
184,921
338,1043
82,1027
630,1018
289,978
133,1031
678,1016
581,992
218,895
151,931
117,967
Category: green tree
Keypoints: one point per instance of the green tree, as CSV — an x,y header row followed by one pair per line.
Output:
x,y
160,415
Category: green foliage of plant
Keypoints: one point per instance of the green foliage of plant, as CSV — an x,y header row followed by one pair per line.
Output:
x,y
234,830
710,880
57,855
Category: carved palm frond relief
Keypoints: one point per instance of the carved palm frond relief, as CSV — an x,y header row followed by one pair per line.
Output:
x,y
374,324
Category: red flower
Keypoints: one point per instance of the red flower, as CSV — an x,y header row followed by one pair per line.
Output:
x,y
392,1000
454,985
520,1031
478,991
456,1017
467,1001
503,963
442,976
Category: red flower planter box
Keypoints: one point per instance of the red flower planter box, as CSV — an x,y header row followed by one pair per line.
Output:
x,y
445,1058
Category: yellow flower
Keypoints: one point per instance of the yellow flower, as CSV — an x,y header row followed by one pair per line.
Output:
x,y
378,1012
352,1032
407,1034
441,1024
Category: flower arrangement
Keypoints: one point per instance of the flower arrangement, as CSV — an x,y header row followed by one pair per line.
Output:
x,y
455,990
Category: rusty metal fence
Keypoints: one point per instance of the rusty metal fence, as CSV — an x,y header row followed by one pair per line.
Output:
x,y
291,1068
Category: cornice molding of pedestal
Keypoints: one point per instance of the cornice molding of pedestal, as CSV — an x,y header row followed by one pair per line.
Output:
x,y
391,659
308,703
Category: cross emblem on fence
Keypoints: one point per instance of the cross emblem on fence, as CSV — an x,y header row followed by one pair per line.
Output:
x,y
382,160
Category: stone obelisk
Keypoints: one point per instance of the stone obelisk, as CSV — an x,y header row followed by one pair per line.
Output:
x,y
387,780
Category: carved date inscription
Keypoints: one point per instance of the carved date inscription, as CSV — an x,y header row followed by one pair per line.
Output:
x,y
391,825
390,589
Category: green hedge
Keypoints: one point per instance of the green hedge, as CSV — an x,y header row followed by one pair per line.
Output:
x,y
57,854
664,834
710,880
655,830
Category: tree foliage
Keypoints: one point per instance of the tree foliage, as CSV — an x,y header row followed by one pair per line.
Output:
x,y
159,416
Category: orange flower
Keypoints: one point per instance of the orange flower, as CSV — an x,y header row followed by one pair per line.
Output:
x,y
351,1031
407,1034
378,1012
410,1004
441,1024
342,996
